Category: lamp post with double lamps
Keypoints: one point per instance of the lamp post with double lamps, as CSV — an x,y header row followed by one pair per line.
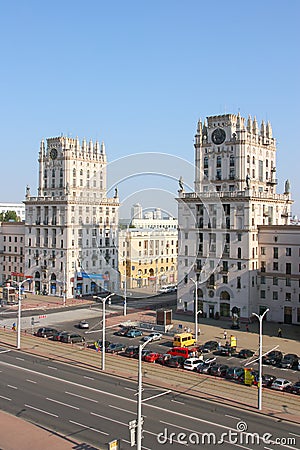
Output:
x,y
260,319
20,284
139,425
103,327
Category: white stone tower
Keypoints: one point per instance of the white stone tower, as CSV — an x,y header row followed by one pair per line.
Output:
x,y
235,192
71,225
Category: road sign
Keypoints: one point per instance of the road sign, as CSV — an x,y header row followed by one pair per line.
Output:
x,y
132,427
114,445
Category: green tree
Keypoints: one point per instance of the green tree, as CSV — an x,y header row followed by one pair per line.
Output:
x,y
9,216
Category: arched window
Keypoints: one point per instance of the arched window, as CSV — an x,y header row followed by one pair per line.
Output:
x,y
239,252
53,172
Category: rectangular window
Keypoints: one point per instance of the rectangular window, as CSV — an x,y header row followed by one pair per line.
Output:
x,y
263,250
262,294
239,265
275,252
262,280
225,279
261,170
288,268
238,283
288,251
275,265
288,296
288,282
275,295
275,281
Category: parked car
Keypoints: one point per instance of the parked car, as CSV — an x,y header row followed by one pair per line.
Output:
x,y
289,361
132,351
175,361
145,352
192,364
167,289
233,373
152,357
72,338
163,358
133,333
153,337
226,350
281,384
295,388
57,336
218,370
83,324
45,332
267,380
273,358
245,353
115,348
206,365
124,330
209,346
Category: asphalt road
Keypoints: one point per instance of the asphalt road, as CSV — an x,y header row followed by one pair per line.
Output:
x,y
95,408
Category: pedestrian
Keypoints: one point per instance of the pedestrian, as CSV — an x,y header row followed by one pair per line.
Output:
x,y
225,334
247,327
219,345
279,332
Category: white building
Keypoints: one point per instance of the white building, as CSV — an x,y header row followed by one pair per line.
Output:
x,y
279,272
19,209
71,225
12,254
235,192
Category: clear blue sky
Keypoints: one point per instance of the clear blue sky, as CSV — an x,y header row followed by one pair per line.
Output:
x,y
139,74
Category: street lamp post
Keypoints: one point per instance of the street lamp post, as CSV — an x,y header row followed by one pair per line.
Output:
x,y
196,308
260,319
20,284
125,292
139,425
103,327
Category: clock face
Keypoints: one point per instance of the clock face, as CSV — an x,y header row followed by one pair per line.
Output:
x,y
218,136
53,153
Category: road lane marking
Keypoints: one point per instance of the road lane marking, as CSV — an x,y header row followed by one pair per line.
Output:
x,y
129,389
80,396
125,410
90,428
51,367
5,398
5,351
176,401
294,434
155,396
110,394
89,378
31,381
41,410
20,359
12,387
61,403
233,417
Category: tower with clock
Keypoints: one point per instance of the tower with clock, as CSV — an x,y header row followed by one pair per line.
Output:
x,y
234,194
71,224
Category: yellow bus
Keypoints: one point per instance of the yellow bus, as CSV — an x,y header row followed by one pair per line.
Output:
x,y
183,340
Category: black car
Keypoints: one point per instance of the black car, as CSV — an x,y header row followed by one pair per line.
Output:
x,y
124,330
209,346
46,332
273,358
267,380
289,361
218,370
245,353
132,351
295,389
225,350
72,338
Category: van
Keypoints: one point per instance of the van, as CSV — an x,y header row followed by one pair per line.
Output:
x,y
181,351
183,340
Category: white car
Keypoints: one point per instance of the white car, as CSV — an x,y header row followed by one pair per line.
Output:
x,y
192,363
83,324
153,337
280,384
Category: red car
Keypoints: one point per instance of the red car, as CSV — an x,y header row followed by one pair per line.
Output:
x,y
152,357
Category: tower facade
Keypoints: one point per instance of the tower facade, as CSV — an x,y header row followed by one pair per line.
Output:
x,y
235,192
71,225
